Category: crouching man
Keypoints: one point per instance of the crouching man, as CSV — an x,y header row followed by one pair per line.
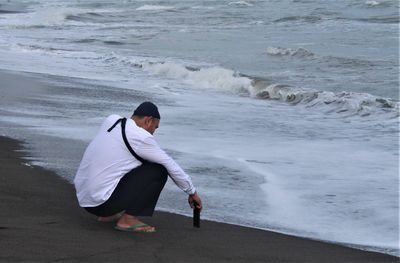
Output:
x,y
123,171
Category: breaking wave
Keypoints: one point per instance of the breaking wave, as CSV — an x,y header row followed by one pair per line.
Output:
x,y
227,80
218,78
351,103
372,3
293,52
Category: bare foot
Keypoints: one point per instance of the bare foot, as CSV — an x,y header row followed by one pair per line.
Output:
x,y
127,221
112,218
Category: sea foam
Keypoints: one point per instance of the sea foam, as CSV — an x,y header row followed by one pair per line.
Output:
x,y
293,52
372,3
349,103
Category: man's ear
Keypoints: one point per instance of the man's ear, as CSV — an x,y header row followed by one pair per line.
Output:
x,y
148,120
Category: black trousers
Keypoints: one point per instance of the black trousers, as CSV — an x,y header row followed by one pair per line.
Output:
x,y
137,192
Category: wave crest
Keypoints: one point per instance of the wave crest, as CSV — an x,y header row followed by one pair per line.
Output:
x,y
362,104
292,52
372,3
214,77
221,78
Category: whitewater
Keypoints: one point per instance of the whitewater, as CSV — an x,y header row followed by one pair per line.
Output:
x,y
284,113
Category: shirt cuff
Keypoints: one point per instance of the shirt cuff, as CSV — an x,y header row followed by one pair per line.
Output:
x,y
191,191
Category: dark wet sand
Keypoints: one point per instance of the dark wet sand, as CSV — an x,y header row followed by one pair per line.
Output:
x,y
41,221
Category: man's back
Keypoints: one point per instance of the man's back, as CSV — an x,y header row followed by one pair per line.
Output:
x,y
105,161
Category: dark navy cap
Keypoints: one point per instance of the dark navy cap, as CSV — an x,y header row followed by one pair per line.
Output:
x,y
147,109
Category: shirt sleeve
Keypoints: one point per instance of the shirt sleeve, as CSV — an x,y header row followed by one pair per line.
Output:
x,y
149,150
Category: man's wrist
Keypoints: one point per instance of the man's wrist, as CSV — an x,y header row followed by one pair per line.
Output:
x,y
191,191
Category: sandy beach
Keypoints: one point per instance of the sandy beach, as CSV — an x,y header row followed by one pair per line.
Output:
x,y
42,222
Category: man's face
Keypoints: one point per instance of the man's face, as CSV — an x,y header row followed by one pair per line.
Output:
x,y
150,124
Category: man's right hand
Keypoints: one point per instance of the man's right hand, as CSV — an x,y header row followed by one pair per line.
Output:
x,y
194,200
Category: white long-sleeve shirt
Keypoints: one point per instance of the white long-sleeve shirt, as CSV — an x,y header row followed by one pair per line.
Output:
x,y
107,159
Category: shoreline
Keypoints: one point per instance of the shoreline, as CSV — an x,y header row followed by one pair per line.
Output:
x,y
366,248
47,224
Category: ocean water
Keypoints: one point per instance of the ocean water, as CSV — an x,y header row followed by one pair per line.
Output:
x,y
285,113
